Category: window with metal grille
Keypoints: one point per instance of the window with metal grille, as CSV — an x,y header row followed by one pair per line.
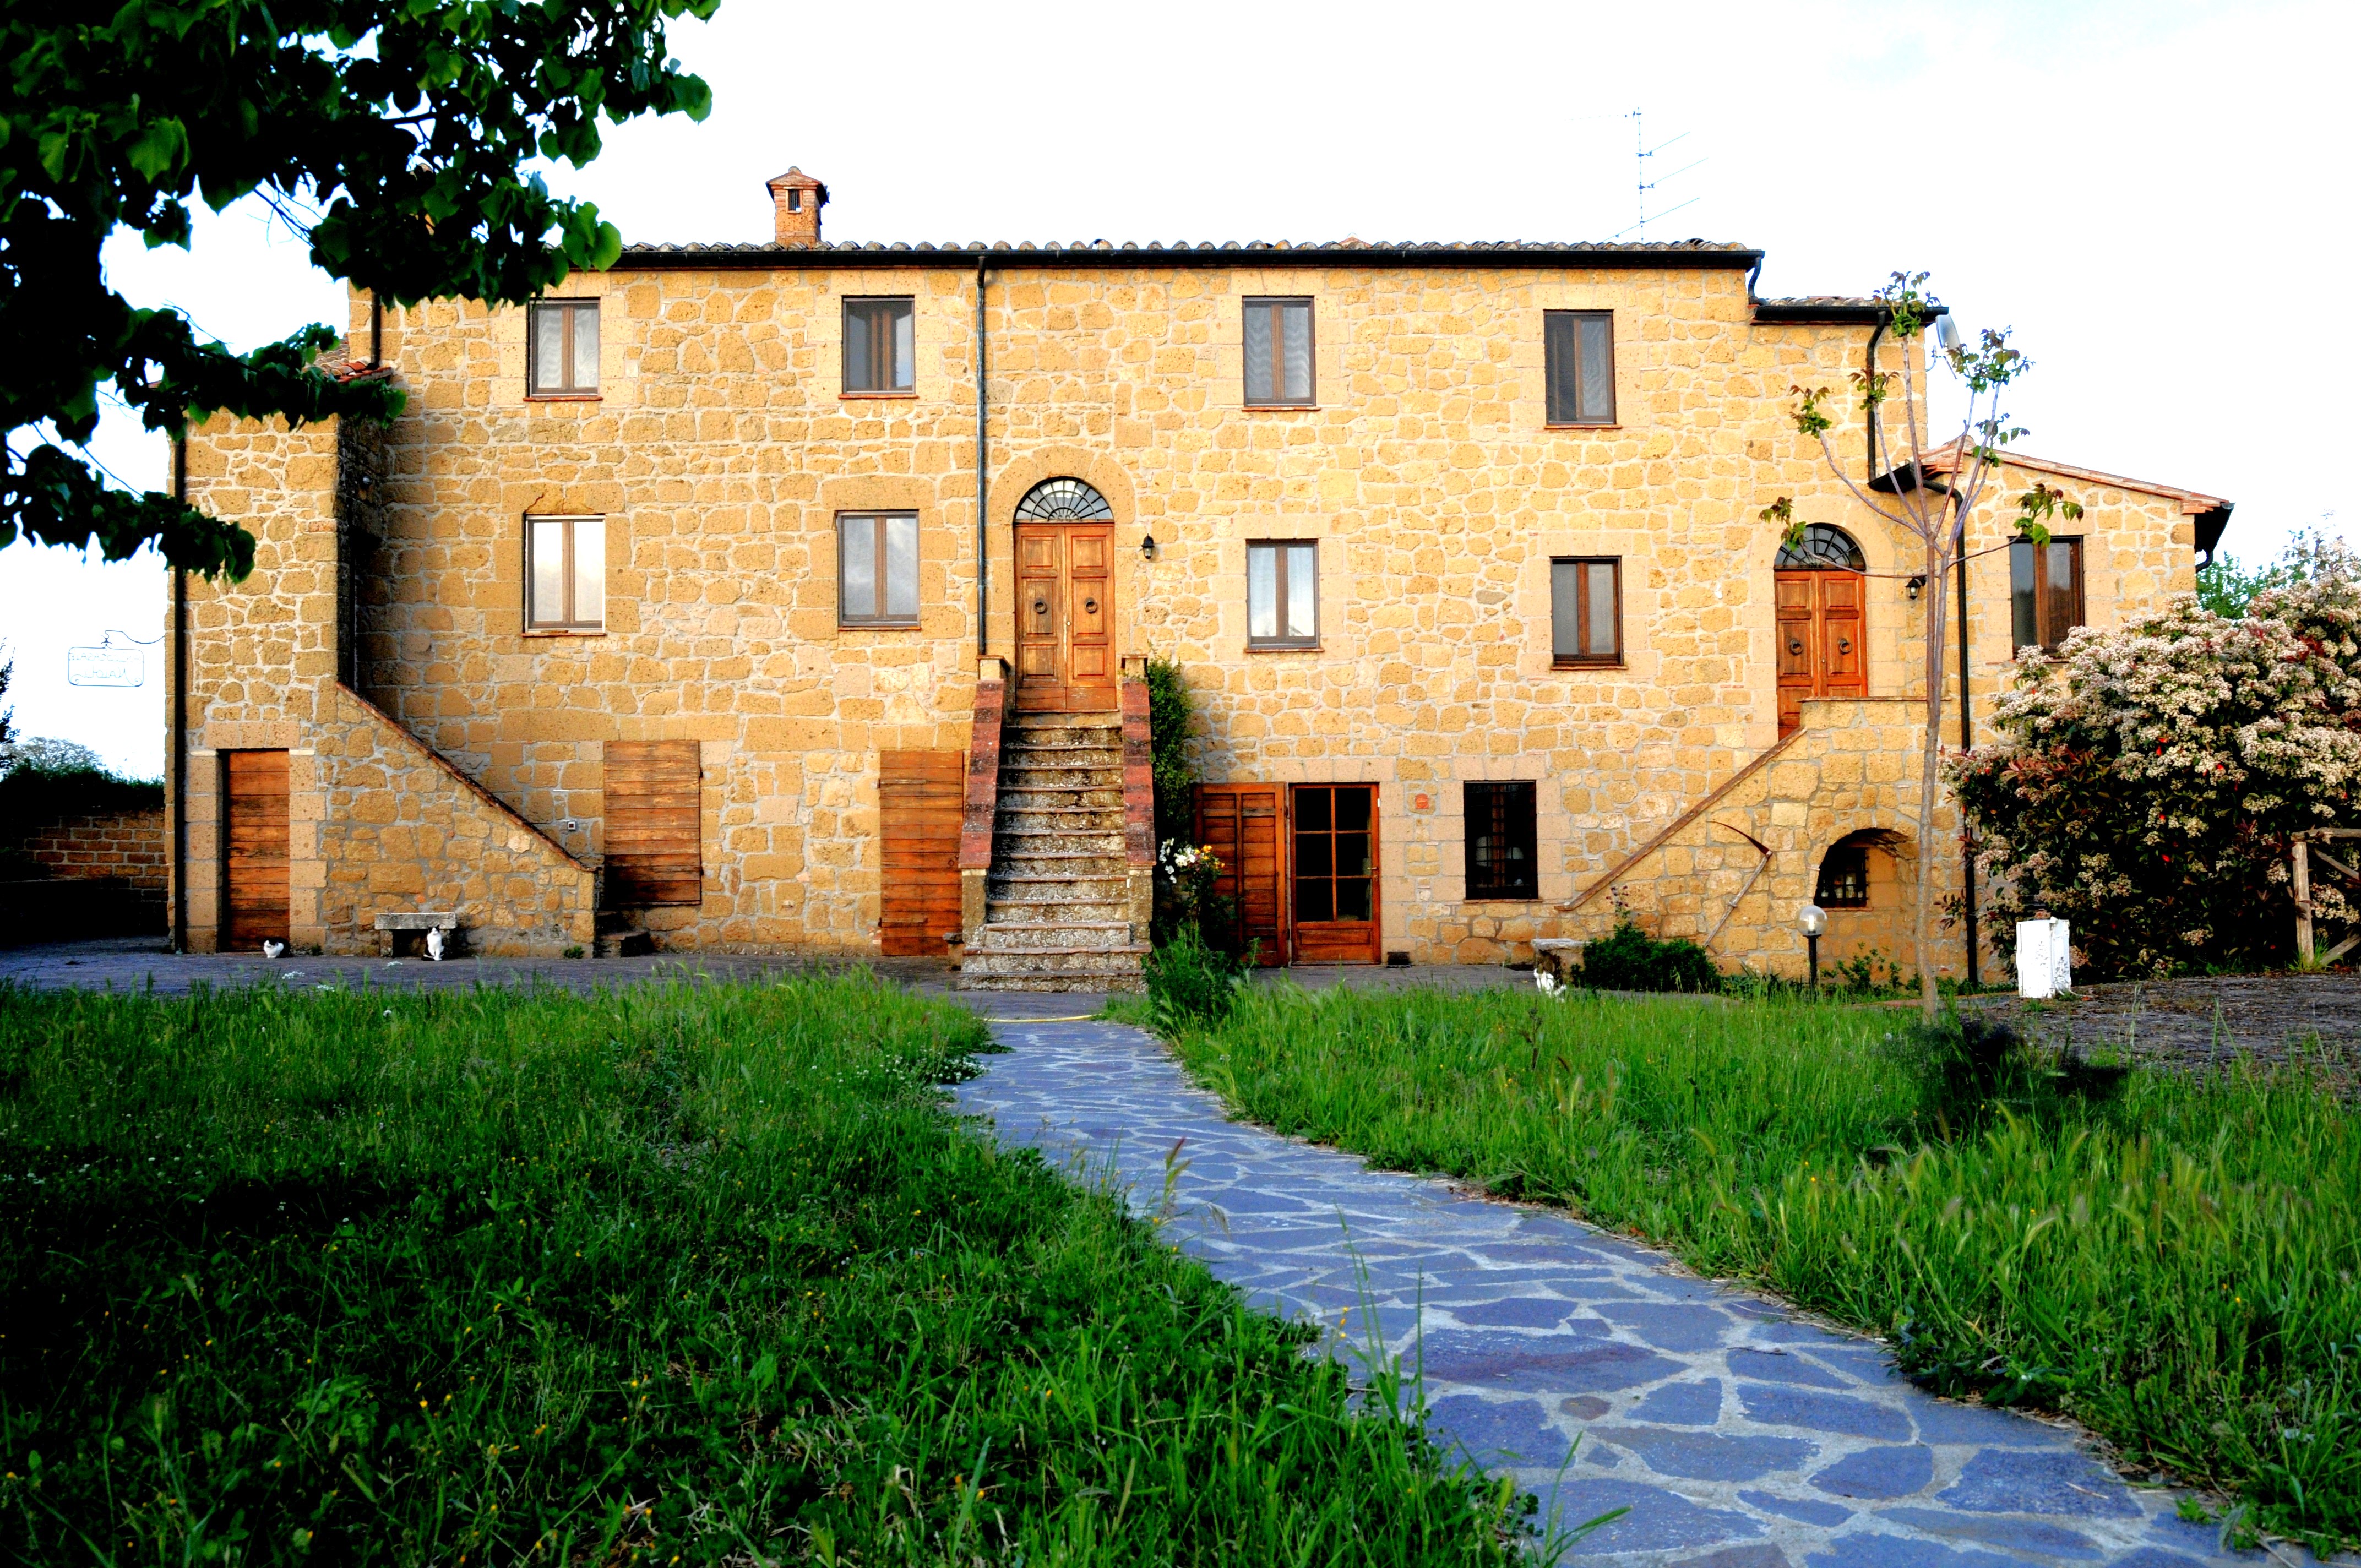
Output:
x,y
880,355
877,569
1278,352
1586,613
1284,594
2045,591
562,345
1502,860
565,574
1844,878
1578,349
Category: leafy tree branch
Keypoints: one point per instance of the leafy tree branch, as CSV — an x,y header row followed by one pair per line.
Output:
x,y
393,134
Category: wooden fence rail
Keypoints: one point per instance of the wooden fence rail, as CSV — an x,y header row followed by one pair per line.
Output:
x,y
2305,854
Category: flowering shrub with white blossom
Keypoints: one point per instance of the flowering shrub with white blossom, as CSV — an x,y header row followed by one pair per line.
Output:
x,y
2149,778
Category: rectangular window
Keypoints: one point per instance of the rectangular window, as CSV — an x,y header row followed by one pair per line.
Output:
x,y
877,569
1284,594
565,574
1586,613
1502,860
2045,591
564,345
1278,352
1578,347
879,352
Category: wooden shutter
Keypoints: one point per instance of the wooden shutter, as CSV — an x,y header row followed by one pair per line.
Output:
x,y
653,838
254,848
1240,823
921,798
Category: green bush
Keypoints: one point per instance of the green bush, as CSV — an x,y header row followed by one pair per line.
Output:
x,y
1190,983
1171,713
1628,959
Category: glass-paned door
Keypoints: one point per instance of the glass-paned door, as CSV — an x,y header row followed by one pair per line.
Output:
x,y
1333,872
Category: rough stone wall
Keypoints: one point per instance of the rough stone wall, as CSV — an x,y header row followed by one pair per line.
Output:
x,y
377,824
720,450
401,830
129,845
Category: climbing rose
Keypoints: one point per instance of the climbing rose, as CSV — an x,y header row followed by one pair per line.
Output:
x,y
2147,779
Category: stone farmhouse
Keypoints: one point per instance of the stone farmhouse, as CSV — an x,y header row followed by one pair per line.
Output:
x,y
797,596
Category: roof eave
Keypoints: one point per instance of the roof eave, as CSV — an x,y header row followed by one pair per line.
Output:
x,y
771,257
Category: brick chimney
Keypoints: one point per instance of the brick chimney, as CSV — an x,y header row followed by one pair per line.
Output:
x,y
798,198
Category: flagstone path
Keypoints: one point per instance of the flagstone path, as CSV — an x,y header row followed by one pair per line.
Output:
x,y
1738,1436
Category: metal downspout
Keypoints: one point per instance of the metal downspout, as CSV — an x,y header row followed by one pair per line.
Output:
x,y
1967,740
983,488
181,717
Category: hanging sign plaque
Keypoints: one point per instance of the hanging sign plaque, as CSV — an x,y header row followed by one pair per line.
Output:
x,y
105,667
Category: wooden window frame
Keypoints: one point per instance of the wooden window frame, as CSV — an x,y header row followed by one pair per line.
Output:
x,y
1550,418
1582,614
1283,643
2047,638
1275,303
1499,796
566,625
845,618
852,310
1858,855
571,391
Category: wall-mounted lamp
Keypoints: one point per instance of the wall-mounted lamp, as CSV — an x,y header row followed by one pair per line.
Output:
x,y
1913,586
1147,546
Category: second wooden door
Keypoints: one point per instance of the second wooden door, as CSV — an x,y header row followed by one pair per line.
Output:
x,y
1333,865
1065,617
1819,633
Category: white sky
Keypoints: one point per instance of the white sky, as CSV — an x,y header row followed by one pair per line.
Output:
x,y
2157,195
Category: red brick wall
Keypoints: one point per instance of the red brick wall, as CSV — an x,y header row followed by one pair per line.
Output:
x,y
126,844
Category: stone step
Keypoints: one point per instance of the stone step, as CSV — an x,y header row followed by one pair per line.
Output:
x,y
1054,936
1109,984
1103,960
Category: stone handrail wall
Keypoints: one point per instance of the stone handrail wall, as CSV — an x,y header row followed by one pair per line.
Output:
x,y
981,806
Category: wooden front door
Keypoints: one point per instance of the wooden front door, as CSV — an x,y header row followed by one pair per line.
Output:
x,y
1333,861
254,849
655,832
1820,632
921,797
1065,617
1241,824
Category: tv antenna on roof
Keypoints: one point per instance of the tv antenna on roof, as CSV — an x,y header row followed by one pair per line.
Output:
x,y
1642,153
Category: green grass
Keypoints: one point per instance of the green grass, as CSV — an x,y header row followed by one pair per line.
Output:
x,y
2176,1268
683,1273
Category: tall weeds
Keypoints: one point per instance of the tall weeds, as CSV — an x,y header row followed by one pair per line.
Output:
x,y
2175,1264
693,1274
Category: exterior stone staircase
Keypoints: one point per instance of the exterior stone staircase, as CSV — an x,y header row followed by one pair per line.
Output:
x,y
1059,909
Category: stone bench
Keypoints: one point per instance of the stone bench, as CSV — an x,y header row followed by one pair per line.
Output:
x,y
1559,957
405,934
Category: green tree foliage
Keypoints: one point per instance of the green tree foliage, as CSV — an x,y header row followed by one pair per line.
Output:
x,y
396,134
2227,585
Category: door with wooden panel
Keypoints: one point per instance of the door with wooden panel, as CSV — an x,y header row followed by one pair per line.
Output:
x,y
654,841
1066,661
1241,823
920,796
1819,630
1333,873
254,849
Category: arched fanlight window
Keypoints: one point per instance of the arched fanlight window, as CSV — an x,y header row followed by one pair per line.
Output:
x,y
1063,500
1822,549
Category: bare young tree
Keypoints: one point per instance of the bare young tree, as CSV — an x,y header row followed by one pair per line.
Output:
x,y
1929,507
